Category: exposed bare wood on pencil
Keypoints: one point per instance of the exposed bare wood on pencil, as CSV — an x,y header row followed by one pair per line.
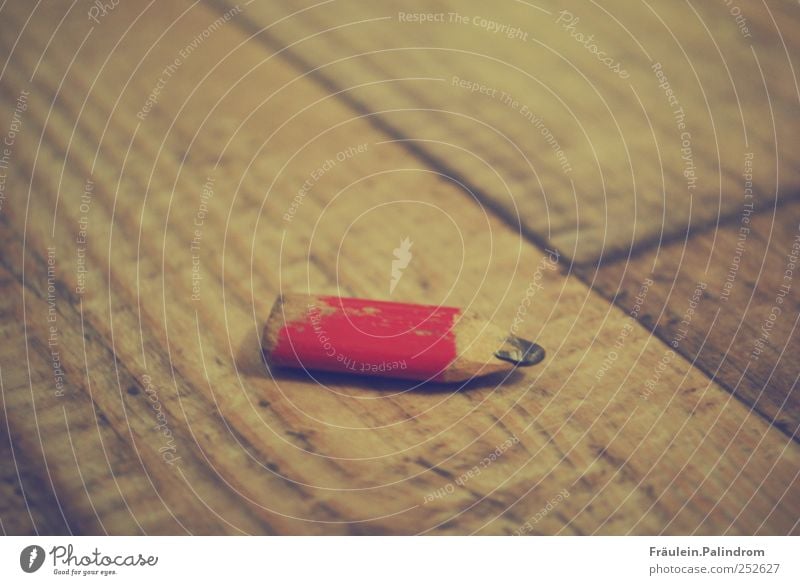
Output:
x,y
477,341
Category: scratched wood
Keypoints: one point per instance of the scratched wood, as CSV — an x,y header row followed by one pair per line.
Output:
x,y
91,446
27,505
742,326
27,501
636,167
206,183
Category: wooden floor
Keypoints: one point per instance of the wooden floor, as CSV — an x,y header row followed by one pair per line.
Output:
x,y
168,169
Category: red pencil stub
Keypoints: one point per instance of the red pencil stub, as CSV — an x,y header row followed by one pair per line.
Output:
x,y
389,339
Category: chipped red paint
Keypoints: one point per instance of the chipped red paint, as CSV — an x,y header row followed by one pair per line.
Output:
x,y
378,338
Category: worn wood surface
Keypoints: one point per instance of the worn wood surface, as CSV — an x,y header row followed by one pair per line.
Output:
x,y
27,504
495,106
729,300
168,421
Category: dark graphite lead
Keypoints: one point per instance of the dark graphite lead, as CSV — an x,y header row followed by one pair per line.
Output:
x,y
520,351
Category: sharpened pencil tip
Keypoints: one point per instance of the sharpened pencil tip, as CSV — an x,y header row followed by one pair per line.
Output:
x,y
520,352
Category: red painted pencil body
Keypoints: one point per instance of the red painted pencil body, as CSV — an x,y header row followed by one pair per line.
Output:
x,y
380,338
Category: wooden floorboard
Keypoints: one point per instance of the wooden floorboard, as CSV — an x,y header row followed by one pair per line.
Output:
x,y
272,452
590,163
79,418
729,300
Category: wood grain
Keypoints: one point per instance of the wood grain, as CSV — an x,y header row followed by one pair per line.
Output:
x,y
743,327
27,504
556,140
236,132
91,431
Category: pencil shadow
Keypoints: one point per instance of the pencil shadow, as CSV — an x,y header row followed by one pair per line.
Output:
x,y
250,362
336,380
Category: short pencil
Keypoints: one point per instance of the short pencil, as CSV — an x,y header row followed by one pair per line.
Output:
x,y
389,339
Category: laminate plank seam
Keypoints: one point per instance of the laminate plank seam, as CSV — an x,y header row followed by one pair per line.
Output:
x,y
756,235
665,337
316,75
411,96
307,71
702,367
433,161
